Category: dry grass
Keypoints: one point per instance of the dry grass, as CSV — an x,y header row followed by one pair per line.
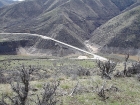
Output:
x,y
128,94
86,91
135,57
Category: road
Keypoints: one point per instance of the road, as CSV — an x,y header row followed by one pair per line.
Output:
x,y
60,42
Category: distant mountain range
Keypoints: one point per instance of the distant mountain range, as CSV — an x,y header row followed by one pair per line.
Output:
x,y
6,2
103,22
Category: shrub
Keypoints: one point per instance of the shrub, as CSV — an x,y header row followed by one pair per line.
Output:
x,y
106,68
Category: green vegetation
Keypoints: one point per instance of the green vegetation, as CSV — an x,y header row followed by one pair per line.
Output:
x,y
75,86
40,80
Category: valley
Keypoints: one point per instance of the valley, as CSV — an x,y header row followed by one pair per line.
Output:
x,y
64,52
103,23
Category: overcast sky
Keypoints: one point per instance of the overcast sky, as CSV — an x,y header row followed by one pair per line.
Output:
x,y
18,0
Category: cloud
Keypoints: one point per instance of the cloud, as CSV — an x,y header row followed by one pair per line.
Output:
x,y
18,0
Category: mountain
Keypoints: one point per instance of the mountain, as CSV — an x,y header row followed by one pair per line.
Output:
x,y
122,31
137,3
123,4
6,2
76,19
70,21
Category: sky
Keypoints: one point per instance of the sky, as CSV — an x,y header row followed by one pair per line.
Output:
x,y
18,0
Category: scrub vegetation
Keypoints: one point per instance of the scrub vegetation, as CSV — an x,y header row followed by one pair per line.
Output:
x,y
63,81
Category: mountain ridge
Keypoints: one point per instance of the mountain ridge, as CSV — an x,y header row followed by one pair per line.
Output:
x,y
62,19
6,2
121,31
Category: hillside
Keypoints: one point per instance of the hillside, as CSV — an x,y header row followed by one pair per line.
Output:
x,y
6,2
38,16
35,44
122,31
137,3
75,18
123,4
70,21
